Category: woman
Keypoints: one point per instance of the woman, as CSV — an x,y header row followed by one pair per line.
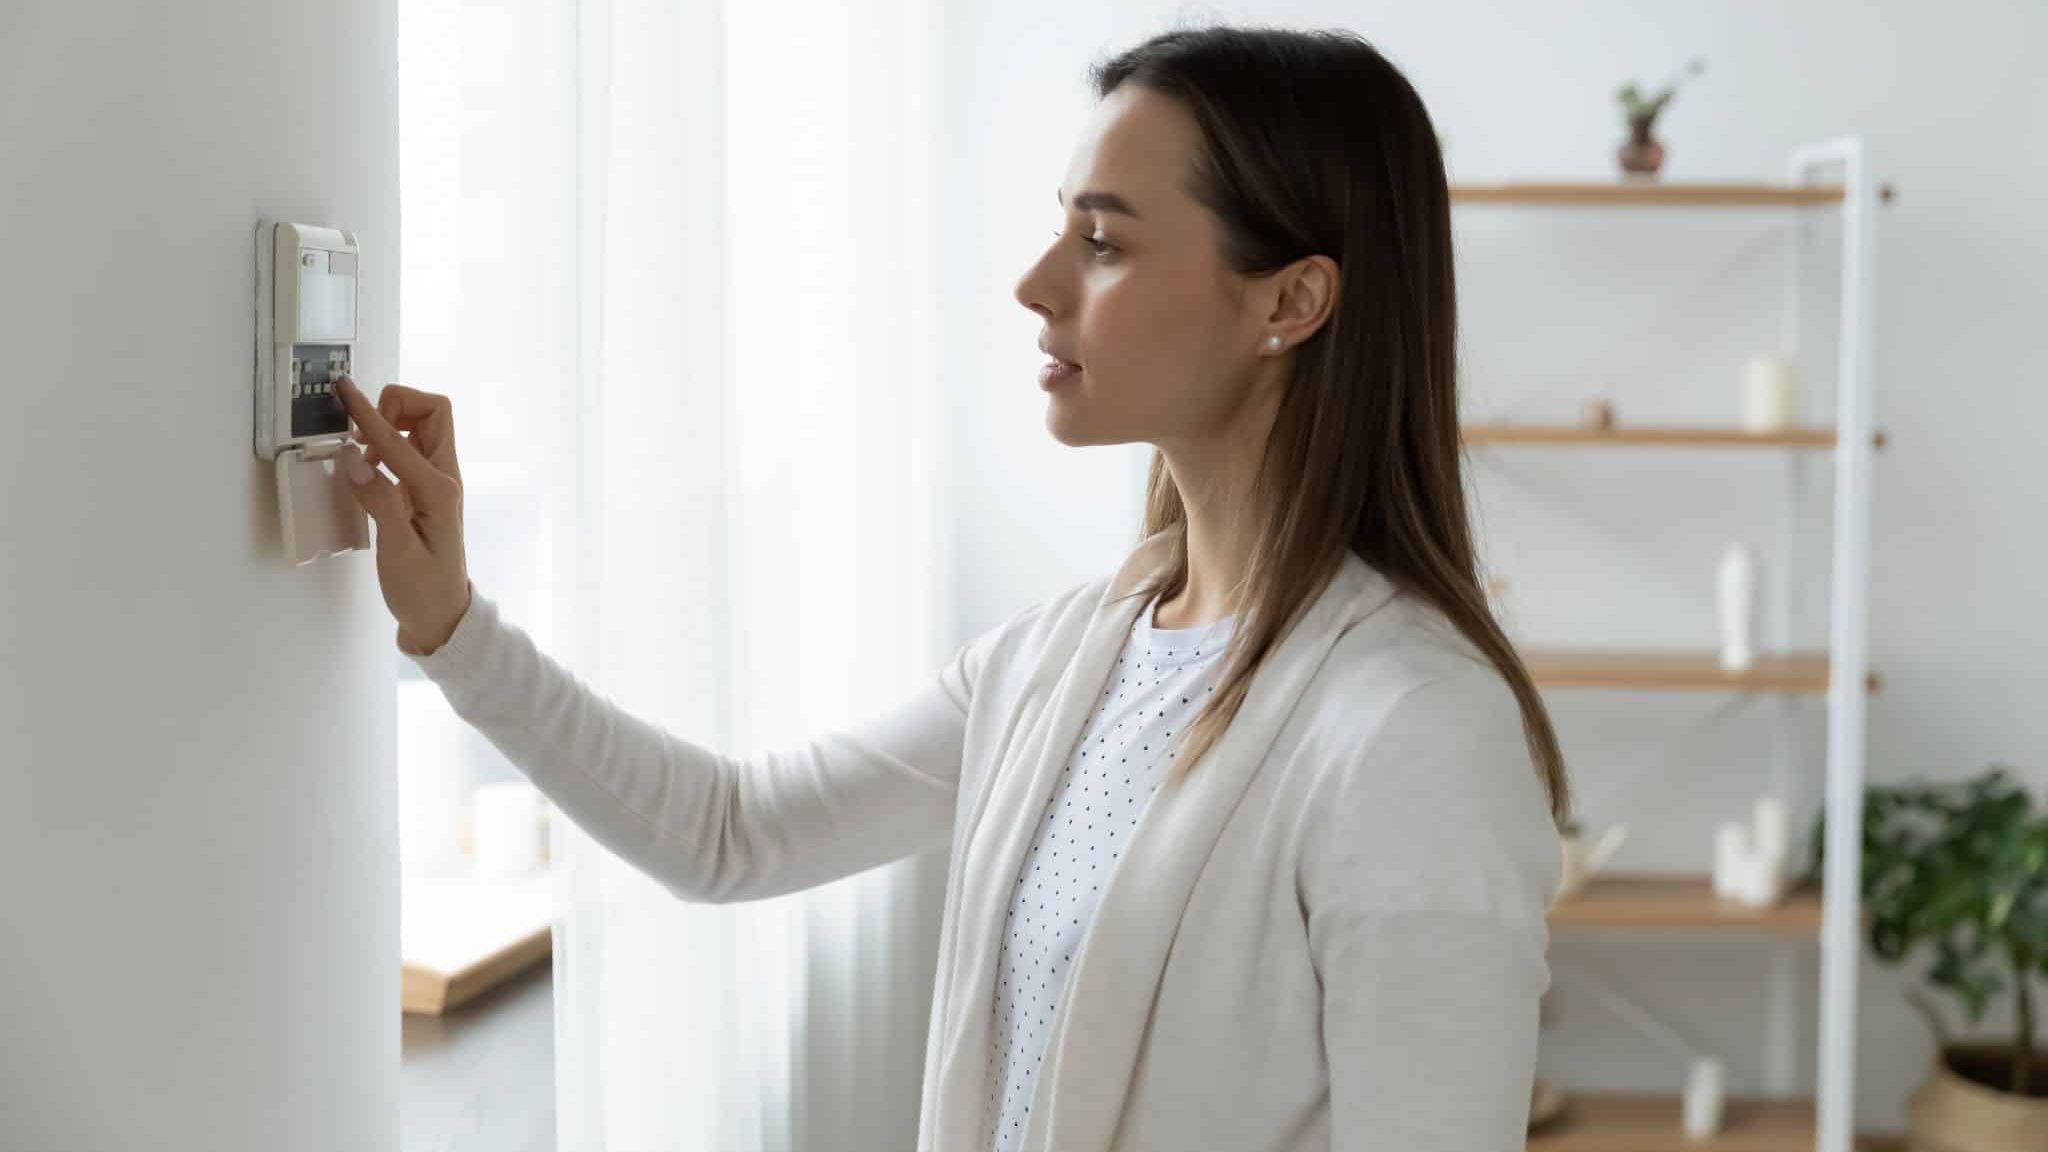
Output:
x,y
1252,840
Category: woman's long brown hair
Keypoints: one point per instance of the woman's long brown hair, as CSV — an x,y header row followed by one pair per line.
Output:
x,y
1312,142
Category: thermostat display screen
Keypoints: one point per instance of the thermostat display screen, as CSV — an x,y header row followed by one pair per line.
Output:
x,y
327,295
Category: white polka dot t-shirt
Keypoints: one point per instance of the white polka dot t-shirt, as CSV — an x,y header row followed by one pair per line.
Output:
x,y
1157,685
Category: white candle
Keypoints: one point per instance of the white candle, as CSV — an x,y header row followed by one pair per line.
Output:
x,y
1761,880
1770,396
1731,850
1705,1089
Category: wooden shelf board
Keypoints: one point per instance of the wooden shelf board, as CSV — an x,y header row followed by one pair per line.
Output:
x,y
1646,436
1625,1122
461,937
1650,194
1795,672
1681,903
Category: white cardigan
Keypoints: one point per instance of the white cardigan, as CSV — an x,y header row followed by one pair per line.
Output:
x,y
1331,935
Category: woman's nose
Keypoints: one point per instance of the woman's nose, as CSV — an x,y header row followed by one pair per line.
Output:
x,y
1031,289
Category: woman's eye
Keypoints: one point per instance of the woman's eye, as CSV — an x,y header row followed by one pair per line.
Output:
x,y
1100,247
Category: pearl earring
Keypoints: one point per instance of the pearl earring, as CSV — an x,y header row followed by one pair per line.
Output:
x,y
1272,343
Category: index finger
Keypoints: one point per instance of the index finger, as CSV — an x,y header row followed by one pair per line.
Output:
x,y
395,450
428,418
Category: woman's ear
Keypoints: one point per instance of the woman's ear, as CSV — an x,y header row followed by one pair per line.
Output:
x,y
1308,291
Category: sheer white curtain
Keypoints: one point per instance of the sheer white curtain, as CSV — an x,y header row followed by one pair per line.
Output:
x,y
670,257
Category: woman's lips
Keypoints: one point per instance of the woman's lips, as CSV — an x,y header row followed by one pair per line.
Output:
x,y
1056,372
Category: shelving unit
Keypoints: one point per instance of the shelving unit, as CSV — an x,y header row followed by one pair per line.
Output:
x,y
1621,1122
1685,905
1681,904
1653,194
1789,672
1651,437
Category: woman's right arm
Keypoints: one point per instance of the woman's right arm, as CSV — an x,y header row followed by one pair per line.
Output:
x,y
709,827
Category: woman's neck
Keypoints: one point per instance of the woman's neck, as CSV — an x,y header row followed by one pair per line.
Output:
x,y
1220,536
1215,474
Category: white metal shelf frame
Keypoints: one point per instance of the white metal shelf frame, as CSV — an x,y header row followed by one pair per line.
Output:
x,y
1841,941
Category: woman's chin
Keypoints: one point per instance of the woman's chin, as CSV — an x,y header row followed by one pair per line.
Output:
x,y
1064,427
1076,424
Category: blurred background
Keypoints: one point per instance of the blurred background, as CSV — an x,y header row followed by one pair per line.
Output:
x,y
751,441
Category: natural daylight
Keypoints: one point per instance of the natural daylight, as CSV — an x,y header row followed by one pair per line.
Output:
x,y
859,576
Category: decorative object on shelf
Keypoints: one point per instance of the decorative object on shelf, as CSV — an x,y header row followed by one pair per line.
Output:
x,y
507,829
1761,881
1731,852
1598,413
1962,867
1641,155
1770,395
1771,829
1735,600
1751,859
1657,1031
1583,860
1706,1090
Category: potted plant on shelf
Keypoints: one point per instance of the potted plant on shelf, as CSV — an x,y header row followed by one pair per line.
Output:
x,y
1963,869
1641,155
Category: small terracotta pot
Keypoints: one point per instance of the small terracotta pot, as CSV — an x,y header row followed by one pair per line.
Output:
x,y
1642,155
1954,1112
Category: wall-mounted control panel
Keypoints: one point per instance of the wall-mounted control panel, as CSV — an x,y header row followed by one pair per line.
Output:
x,y
306,334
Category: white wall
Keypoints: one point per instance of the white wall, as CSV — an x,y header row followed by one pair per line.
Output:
x,y
1660,312
198,859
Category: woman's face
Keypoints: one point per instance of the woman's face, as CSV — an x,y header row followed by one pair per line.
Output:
x,y
1134,291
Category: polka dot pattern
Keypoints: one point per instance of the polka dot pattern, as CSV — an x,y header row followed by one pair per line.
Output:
x,y
1156,687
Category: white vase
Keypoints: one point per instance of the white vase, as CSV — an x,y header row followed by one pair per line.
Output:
x,y
1705,1091
1770,395
1736,601
1731,851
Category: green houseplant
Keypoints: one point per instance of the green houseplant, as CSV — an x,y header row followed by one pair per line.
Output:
x,y
1641,155
1960,870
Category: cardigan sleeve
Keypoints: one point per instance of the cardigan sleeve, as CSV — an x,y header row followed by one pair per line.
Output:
x,y
1426,863
711,828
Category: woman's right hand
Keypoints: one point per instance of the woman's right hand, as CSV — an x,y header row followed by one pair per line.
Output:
x,y
420,560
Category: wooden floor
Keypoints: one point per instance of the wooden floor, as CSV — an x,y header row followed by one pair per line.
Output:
x,y
482,1077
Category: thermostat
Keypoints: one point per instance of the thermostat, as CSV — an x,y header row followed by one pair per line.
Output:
x,y
305,343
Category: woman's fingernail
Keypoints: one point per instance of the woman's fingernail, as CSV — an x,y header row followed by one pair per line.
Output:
x,y
358,469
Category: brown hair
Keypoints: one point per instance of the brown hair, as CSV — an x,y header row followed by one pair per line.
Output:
x,y
1313,143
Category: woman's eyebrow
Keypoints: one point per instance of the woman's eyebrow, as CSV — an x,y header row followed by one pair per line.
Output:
x,y
1099,202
